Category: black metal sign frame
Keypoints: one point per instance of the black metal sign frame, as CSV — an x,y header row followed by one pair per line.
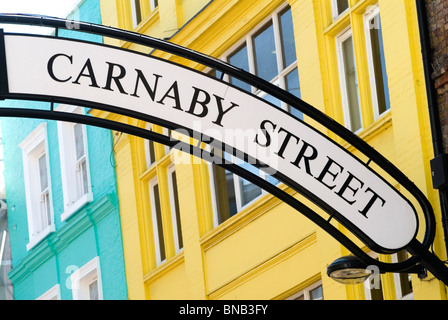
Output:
x,y
419,250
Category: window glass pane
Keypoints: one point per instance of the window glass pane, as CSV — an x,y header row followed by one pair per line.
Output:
x,y
176,209
292,83
85,186
377,294
6,288
240,59
289,47
225,193
265,53
249,191
93,290
272,180
293,86
45,216
43,172
137,11
79,141
276,102
405,284
341,5
405,278
317,294
351,84
379,64
151,153
216,73
155,190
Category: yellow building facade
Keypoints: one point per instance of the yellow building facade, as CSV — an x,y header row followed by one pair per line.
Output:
x,y
194,231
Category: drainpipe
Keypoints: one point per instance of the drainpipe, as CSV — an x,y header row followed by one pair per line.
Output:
x,y
439,165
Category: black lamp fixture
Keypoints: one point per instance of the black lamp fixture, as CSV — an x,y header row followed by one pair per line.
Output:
x,y
350,270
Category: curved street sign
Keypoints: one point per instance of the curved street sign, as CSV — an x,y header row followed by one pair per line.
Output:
x,y
225,117
150,88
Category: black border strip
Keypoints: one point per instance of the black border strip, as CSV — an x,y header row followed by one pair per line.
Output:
x,y
4,87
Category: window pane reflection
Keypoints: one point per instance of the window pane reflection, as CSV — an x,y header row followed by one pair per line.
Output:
x,y
240,59
265,53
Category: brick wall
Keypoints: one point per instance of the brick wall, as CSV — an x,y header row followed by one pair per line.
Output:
x,y
438,30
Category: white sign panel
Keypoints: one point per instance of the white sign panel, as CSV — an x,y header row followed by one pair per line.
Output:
x,y
52,67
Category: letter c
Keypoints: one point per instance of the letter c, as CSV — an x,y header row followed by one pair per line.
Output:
x,y
50,66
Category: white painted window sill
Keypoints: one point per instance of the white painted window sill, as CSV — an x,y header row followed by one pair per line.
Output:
x,y
70,210
40,236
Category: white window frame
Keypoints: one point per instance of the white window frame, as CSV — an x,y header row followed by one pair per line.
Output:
x,y
171,191
343,36
54,293
306,292
33,146
372,12
70,180
83,277
334,9
155,227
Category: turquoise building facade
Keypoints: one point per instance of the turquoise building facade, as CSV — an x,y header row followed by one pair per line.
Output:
x,y
61,195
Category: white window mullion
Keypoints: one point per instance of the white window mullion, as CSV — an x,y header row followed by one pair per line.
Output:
x,y
238,190
251,57
44,217
81,176
278,42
